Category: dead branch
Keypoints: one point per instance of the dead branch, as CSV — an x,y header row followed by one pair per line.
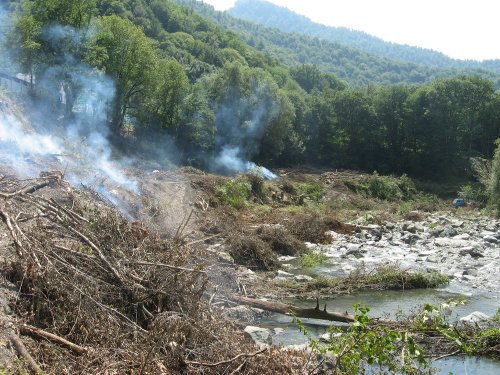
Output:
x,y
8,221
164,266
204,239
101,255
23,352
40,333
282,308
70,213
243,355
31,189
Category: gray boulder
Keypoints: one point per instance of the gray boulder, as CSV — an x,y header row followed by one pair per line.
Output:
x,y
476,318
261,336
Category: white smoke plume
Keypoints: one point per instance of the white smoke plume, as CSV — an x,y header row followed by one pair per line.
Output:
x,y
230,159
240,127
79,146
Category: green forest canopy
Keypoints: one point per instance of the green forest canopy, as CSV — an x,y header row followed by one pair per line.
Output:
x,y
181,75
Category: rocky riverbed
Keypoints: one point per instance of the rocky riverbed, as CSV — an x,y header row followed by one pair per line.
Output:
x,y
465,248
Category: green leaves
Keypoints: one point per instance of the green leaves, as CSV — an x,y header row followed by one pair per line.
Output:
x,y
365,346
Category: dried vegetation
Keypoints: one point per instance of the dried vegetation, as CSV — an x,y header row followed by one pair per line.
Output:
x,y
98,294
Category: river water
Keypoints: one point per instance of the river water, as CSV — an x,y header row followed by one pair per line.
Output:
x,y
386,304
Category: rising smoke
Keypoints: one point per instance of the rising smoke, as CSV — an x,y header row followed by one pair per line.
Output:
x,y
240,126
79,144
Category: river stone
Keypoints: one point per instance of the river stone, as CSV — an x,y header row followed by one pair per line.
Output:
x,y
436,232
432,259
390,225
282,275
411,239
412,228
487,233
451,242
449,231
476,317
470,272
457,224
356,253
490,239
261,336
300,347
241,313
225,257
302,278
472,251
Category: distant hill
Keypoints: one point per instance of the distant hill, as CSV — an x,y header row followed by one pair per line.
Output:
x,y
271,15
353,65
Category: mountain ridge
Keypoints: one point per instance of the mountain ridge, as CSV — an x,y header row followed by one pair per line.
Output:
x,y
268,14
353,65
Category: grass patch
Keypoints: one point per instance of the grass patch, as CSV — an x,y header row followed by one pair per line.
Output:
x,y
392,277
386,277
312,259
311,189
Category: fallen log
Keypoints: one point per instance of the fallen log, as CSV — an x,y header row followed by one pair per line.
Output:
x,y
283,308
25,355
40,333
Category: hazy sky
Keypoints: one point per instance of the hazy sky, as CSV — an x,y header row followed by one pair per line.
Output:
x,y
463,29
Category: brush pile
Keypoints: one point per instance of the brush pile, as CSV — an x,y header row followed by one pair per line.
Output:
x,y
98,294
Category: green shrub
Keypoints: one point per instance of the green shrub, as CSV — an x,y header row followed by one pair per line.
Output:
x,y
257,186
312,259
311,189
386,188
473,193
235,192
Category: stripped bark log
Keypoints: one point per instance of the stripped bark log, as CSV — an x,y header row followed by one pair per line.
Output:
x,y
8,221
283,308
40,333
23,352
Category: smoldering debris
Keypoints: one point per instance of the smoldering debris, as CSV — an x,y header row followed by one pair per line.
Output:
x,y
111,296
86,160
229,161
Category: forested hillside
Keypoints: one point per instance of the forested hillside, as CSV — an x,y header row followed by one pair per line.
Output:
x,y
271,15
177,84
357,67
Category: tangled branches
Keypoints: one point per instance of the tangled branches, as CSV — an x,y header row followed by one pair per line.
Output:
x,y
88,279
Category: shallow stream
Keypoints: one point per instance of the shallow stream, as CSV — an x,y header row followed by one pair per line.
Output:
x,y
388,303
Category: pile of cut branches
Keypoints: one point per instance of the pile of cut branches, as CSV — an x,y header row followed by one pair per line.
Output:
x,y
98,294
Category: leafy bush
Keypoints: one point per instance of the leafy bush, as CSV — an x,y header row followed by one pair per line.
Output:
x,y
257,186
235,192
473,193
384,187
364,345
311,189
